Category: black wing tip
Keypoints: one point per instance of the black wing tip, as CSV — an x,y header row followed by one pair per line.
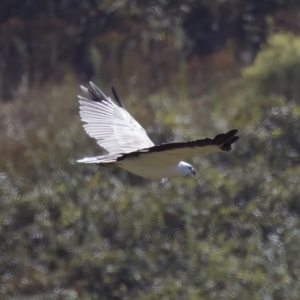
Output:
x,y
227,139
98,96
232,132
93,95
117,98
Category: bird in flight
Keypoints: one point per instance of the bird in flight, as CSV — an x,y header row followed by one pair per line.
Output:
x,y
129,146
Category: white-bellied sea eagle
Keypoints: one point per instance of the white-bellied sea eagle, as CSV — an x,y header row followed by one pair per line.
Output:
x,y
129,146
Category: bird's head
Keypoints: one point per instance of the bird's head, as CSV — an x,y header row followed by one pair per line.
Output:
x,y
186,169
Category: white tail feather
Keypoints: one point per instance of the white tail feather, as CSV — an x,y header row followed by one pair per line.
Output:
x,y
89,160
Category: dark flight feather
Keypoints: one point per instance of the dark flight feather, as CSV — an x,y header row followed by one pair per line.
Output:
x,y
223,141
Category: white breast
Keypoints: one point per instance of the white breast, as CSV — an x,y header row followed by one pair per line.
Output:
x,y
146,166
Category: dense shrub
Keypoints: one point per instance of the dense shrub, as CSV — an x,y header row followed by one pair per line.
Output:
x,y
71,231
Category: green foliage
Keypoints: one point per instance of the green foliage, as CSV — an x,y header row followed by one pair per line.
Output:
x,y
277,67
71,231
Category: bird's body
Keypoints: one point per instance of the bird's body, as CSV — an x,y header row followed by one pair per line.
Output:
x,y
145,166
129,146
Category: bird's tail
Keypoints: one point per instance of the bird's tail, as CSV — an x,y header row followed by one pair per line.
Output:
x,y
99,160
88,160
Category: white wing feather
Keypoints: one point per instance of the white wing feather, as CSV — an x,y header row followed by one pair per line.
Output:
x,y
111,125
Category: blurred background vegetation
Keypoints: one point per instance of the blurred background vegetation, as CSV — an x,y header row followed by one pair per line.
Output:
x,y
185,70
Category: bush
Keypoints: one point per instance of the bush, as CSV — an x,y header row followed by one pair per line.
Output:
x,y
71,231
277,67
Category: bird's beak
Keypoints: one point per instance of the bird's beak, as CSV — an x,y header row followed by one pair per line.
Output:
x,y
194,172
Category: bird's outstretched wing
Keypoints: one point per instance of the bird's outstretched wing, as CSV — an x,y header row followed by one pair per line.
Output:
x,y
175,152
110,124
